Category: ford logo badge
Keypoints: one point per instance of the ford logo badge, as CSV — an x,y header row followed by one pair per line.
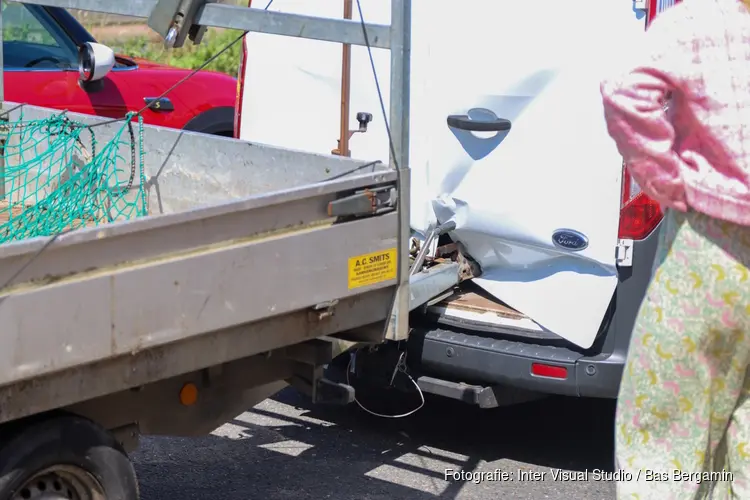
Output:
x,y
570,240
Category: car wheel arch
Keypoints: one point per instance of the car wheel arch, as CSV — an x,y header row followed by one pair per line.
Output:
x,y
215,121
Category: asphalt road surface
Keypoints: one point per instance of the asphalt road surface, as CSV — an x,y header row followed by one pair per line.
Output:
x,y
285,448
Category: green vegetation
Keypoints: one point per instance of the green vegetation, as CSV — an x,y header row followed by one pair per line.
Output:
x,y
188,56
20,26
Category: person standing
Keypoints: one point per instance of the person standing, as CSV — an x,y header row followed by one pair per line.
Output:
x,y
680,117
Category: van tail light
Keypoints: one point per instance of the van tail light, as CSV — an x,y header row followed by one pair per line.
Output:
x,y
240,85
639,214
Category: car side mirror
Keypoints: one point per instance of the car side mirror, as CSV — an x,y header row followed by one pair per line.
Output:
x,y
94,62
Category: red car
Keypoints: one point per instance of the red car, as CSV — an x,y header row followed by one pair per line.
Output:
x,y
41,49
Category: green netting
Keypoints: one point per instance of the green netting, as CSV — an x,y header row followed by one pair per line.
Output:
x,y
57,178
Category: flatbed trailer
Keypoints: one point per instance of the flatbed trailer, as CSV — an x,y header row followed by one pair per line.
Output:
x,y
240,280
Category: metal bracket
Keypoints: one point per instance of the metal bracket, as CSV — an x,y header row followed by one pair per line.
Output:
x,y
432,282
128,436
309,380
367,202
313,352
173,20
433,233
624,253
484,397
481,396
324,310
333,393
310,358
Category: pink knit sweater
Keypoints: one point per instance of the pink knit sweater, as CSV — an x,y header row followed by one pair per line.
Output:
x,y
696,154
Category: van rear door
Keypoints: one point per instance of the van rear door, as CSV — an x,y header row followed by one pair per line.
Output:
x,y
538,205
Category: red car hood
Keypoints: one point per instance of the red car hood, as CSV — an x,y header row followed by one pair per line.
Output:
x,y
145,63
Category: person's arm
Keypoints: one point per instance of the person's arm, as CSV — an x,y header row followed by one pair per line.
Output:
x,y
636,118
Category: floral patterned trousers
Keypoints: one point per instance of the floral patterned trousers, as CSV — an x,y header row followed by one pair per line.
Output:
x,y
683,412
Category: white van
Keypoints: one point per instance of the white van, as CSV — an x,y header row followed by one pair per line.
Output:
x,y
508,141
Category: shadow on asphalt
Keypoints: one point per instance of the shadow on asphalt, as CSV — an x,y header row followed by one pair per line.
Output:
x,y
556,432
341,447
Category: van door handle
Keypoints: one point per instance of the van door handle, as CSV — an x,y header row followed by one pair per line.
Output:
x,y
463,122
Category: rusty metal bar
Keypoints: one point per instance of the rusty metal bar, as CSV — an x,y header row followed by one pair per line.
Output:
x,y
346,85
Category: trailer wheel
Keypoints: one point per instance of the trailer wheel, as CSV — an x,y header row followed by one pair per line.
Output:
x,y
64,458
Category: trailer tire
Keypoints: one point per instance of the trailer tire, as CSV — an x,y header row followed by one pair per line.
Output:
x,y
65,455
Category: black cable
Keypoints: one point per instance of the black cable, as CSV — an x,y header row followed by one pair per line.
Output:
x,y
380,98
392,306
355,169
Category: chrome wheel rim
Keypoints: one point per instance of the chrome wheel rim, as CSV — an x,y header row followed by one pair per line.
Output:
x,y
61,482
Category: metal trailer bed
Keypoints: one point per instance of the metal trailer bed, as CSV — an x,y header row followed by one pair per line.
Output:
x,y
184,290
234,285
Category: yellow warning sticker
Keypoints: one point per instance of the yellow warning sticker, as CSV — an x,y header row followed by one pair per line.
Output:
x,y
372,268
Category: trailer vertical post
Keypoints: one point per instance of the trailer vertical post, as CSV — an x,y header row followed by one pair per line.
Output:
x,y
399,156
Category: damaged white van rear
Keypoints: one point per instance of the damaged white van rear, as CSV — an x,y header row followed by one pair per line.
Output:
x,y
509,152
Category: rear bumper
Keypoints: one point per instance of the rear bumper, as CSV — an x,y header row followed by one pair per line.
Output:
x,y
471,357
488,361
